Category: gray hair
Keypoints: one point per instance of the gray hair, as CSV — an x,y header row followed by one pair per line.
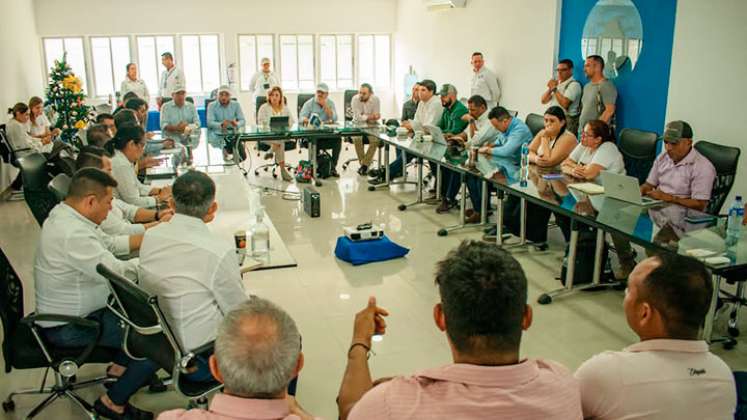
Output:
x,y
194,193
257,362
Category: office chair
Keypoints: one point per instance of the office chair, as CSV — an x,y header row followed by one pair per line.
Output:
x,y
35,180
9,155
148,335
536,123
725,159
638,148
301,100
190,100
266,147
59,186
513,113
24,347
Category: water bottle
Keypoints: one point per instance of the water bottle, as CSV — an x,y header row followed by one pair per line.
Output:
x,y
524,176
260,236
734,223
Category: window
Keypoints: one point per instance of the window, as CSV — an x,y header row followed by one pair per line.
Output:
x,y
201,62
374,59
55,48
297,62
336,61
252,49
110,56
634,48
149,50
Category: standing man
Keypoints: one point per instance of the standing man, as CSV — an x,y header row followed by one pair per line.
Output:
x,y
179,117
600,94
224,112
171,78
133,84
565,92
322,108
263,80
366,109
484,82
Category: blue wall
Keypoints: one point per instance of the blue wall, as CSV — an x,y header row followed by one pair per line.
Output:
x,y
642,100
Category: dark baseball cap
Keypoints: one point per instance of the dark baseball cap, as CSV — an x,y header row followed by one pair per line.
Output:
x,y
447,89
676,131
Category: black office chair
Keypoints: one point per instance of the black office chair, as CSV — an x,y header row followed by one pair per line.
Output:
x,y
725,159
513,113
190,100
24,347
638,148
9,155
59,186
148,335
536,123
35,180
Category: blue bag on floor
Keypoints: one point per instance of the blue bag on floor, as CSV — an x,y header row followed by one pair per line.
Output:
x,y
364,252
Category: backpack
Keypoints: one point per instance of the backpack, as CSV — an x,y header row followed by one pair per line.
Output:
x,y
303,172
324,165
583,271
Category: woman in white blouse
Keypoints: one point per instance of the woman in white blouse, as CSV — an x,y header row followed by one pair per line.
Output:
x,y
597,152
131,83
39,125
276,107
127,147
17,130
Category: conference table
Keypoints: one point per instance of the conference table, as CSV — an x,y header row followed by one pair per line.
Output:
x,y
660,228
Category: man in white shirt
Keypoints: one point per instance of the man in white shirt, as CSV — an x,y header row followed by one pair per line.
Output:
x,y
565,92
366,110
484,81
670,374
133,84
171,78
194,272
263,80
179,117
66,283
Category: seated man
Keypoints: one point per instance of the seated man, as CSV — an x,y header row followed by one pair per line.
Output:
x,y
322,108
97,135
257,354
366,109
429,113
224,112
681,175
670,374
483,310
179,117
107,120
194,272
66,283
512,133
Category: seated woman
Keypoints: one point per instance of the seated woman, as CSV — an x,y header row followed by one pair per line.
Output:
x,y
276,107
549,148
126,148
17,130
39,125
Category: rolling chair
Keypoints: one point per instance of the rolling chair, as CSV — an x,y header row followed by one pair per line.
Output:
x,y
35,180
535,122
9,155
266,147
24,347
59,186
148,335
638,148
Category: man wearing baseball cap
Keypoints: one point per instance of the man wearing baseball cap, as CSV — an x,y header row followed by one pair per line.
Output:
x,y
224,112
179,116
681,176
264,79
322,107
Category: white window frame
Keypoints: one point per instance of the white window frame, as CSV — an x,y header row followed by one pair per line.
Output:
x,y
136,58
258,58
298,67
178,45
357,60
353,61
85,78
111,60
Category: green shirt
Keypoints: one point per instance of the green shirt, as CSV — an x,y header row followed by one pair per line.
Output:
x,y
451,119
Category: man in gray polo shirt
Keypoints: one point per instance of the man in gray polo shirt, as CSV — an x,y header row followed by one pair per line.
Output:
x,y
600,94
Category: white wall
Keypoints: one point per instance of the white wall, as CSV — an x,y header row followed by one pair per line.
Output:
x,y
226,17
516,37
707,81
21,61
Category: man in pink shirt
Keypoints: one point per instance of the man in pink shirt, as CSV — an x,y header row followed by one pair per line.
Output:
x,y
670,374
257,353
483,311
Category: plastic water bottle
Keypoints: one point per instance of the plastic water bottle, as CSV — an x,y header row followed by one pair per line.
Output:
x,y
260,236
734,224
524,176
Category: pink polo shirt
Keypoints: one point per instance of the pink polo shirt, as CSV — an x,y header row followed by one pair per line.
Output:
x,y
228,407
658,379
531,389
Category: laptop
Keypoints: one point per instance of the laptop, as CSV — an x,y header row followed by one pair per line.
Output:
x,y
438,135
625,188
279,124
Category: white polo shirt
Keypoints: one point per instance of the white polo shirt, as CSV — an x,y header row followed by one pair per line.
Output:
x,y
170,80
428,113
658,379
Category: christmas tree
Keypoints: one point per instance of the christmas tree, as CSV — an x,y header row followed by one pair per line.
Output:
x,y
67,99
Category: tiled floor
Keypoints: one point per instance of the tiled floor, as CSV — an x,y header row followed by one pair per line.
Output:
x,y
322,294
